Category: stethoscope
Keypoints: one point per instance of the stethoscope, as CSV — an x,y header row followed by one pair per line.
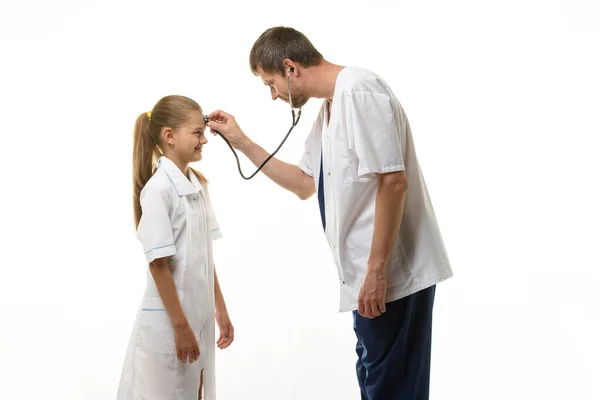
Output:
x,y
294,123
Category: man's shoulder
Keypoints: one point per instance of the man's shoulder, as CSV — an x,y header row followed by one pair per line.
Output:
x,y
356,80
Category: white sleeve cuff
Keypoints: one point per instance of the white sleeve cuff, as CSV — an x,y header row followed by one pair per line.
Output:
x,y
216,234
304,167
160,252
380,170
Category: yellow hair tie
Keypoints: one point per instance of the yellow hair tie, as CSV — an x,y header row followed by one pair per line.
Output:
x,y
149,114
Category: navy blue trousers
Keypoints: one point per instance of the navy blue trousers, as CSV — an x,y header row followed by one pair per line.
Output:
x,y
394,349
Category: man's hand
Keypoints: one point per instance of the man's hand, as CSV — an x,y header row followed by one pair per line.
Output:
x,y
371,299
226,329
226,124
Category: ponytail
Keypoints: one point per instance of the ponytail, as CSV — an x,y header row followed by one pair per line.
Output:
x,y
200,177
145,154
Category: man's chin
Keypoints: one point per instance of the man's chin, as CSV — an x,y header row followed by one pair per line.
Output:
x,y
299,103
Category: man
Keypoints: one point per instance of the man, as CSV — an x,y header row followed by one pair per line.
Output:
x,y
375,208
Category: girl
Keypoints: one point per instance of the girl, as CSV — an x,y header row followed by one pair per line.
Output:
x,y
172,341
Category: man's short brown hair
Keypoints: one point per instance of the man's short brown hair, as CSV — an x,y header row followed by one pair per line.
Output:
x,y
279,43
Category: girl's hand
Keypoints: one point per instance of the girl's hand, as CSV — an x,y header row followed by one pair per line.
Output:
x,y
186,343
226,329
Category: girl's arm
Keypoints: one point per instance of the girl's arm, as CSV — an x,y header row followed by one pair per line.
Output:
x,y
185,340
168,293
219,299
222,317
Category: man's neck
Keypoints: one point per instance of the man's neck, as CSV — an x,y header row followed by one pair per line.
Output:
x,y
324,77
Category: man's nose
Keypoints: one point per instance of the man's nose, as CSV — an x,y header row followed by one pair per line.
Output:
x,y
274,94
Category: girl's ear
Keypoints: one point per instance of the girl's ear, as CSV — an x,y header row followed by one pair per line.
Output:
x,y
168,137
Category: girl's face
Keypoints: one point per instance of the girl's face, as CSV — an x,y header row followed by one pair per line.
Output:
x,y
189,138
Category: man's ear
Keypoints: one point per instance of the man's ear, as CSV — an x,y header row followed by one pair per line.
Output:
x,y
290,67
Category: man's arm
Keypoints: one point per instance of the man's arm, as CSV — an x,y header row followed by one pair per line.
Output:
x,y
288,176
389,207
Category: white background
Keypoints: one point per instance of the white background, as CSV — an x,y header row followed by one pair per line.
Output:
x,y
503,99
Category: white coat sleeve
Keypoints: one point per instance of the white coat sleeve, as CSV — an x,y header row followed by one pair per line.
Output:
x,y
305,163
312,146
155,231
215,229
374,134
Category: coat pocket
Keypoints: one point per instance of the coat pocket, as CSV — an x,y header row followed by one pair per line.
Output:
x,y
156,333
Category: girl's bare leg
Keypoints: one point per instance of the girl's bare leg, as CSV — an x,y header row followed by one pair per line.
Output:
x,y
200,390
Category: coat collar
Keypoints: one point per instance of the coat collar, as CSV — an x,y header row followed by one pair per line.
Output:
x,y
183,186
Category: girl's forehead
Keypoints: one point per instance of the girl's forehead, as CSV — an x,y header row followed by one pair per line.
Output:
x,y
194,121
195,117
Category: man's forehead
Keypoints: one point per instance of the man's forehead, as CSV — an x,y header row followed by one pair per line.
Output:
x,y
266,77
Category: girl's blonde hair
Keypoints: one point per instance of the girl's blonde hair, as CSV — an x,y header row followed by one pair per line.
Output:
x,y
170,111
